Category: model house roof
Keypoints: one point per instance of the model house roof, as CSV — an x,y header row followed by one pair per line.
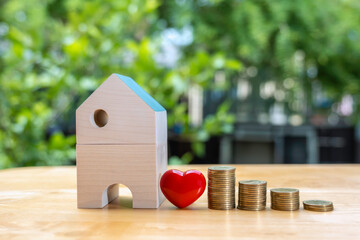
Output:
x,y
141,93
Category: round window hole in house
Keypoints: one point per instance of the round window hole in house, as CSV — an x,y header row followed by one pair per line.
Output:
x,y
100,118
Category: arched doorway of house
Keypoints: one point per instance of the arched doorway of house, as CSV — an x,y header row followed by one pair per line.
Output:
x,y
118,196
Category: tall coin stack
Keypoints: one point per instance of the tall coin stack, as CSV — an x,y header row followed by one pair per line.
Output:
x,y
221,187
285,199
252,195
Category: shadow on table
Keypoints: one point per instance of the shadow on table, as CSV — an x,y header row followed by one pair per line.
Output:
x,y
121,202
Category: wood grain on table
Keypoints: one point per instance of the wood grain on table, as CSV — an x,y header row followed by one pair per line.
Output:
x,y
40,203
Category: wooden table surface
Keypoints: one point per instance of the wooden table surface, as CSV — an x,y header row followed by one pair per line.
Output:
x,y
40,203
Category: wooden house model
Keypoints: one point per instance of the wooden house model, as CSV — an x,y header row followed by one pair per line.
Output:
x,y
121,134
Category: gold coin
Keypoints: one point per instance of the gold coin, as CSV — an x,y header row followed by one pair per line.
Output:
x,y
252,182
219,204
229,192
252,201
259,193
223,198
252,208
285,208
318,205
221,168
212,199
220,186
284,190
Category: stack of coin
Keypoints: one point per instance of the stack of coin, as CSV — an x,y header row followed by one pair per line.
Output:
x,y
318,205
221,188
285,199
252,195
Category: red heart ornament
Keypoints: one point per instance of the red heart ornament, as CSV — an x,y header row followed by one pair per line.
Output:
x,y
182,188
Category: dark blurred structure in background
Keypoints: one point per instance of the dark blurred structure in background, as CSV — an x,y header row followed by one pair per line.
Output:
x,y
244,81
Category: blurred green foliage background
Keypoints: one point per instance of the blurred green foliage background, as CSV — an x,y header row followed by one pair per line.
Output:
x,y
53,54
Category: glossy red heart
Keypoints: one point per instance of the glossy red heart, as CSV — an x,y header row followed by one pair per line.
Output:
x,y
182,188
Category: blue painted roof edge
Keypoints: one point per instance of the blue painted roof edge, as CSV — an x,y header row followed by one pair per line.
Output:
x,y
149,100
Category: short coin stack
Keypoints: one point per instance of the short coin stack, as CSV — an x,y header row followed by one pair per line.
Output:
x,y
252,195
221,188
285,199
318,205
